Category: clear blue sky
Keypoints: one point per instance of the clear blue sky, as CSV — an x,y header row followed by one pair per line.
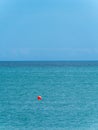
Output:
x,y
48,29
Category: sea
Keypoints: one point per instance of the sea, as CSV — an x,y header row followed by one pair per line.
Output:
x,y
69,91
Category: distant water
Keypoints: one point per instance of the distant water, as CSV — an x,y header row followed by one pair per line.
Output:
x,y
69,91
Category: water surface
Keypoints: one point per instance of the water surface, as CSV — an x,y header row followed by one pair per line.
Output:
x,y
69,91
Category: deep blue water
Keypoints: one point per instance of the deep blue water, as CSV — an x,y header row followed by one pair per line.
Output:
x,y
69,93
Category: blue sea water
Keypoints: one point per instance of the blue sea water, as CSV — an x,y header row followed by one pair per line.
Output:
x,y
69,93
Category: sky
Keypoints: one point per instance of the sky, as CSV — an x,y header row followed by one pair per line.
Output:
x,y
48,30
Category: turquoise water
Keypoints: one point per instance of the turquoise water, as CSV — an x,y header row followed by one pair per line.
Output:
x,y
69,93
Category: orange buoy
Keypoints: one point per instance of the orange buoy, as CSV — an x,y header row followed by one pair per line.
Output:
x,y
39,98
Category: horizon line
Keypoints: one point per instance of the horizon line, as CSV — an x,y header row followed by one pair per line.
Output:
x,y
44,60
